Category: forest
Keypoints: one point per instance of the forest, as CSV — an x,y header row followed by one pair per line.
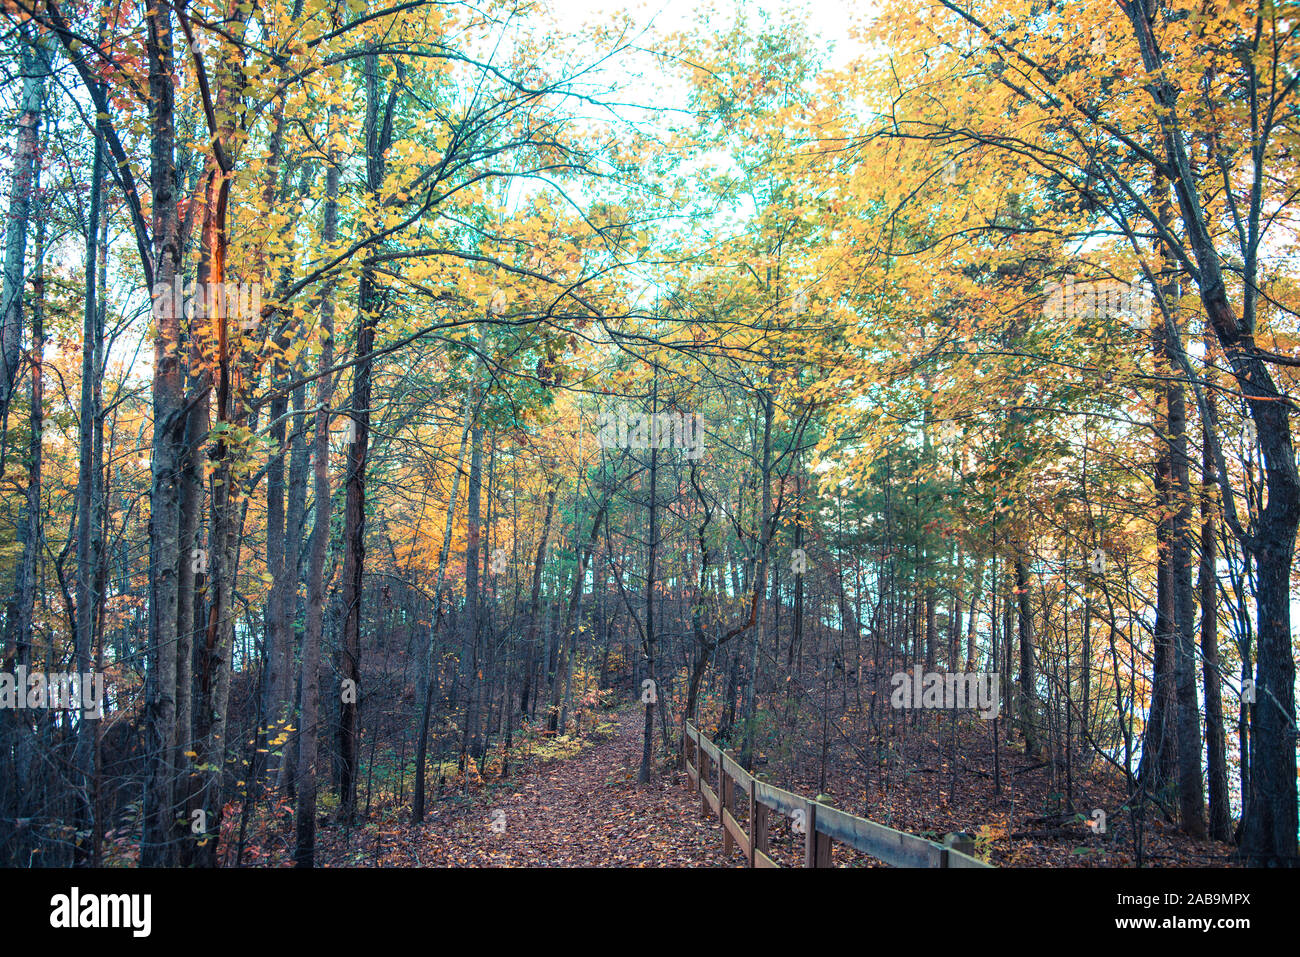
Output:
x,y
423,421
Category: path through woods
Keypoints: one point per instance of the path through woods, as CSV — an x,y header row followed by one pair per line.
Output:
x,y
587,810
427,396
584,811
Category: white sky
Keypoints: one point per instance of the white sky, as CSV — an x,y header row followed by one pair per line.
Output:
x,y
831,17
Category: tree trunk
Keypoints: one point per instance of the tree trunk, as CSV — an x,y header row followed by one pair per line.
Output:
x,y
35,67
760,584
157,848
430,657
88,473
1159,744
1191,797
274,693
308,763
648,639
534,602
15,795
971,620
1028,681
473,526
295,522
568,635
377,130
1220,811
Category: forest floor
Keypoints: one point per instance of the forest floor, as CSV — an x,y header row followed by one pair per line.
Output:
x,y
588,810
940,775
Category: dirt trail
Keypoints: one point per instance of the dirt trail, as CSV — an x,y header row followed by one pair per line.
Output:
x,y
586,811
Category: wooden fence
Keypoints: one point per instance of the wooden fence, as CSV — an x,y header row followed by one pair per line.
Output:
x,y
716,777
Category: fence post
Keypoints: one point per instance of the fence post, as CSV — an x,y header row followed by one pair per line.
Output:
x,y
810,834
693,755
704,770
823,850
816,847
722,776
959,841
724,805
753,822
686,749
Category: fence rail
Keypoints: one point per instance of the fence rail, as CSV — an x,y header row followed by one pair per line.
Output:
x,y
716,777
